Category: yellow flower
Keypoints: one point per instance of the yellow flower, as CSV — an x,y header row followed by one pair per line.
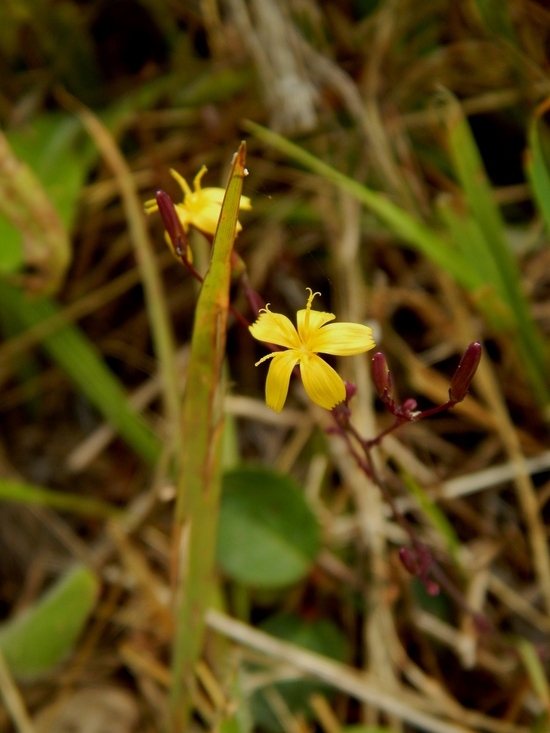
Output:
x,y
324,386
200,208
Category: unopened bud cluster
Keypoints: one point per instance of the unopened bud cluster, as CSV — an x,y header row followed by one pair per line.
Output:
x,y
408,412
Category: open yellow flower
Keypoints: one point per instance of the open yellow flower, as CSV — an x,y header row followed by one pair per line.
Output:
x,y
324,386
201,207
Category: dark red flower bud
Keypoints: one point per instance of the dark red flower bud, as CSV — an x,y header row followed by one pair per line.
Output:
x,y
381,376
408,560
172,224
462,378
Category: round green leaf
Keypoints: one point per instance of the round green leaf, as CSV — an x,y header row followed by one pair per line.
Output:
x,y
268,535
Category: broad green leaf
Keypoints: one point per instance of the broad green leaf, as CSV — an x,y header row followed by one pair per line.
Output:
x,y
321,636
83,363
268,535
38,639
23,493
45,166
54,146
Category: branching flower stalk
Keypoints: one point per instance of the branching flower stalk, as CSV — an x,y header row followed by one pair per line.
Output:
x,y
416,559
299,348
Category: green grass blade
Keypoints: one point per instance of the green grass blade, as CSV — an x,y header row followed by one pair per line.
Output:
x,y
471,173
23,493
200,481
465,231
495,246
81,361
402,224
537,165
448,256
535,670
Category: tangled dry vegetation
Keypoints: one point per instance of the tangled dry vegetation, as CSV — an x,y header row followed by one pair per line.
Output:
x,y
375,90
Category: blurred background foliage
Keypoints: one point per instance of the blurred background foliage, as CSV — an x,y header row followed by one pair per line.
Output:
x,y
399,164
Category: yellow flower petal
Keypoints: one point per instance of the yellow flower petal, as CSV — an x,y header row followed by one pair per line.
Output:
x,y
278,377
209,196
342,339
316,320
245,203
183,216
324,386
206,218
275,328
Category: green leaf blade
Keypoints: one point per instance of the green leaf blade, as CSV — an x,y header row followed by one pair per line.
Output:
x,y
268,536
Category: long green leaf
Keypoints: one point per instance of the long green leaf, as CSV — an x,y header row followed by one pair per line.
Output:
x,y
494,245
402,224
537,164
21,492
444,253
200,482
468,236
479,196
